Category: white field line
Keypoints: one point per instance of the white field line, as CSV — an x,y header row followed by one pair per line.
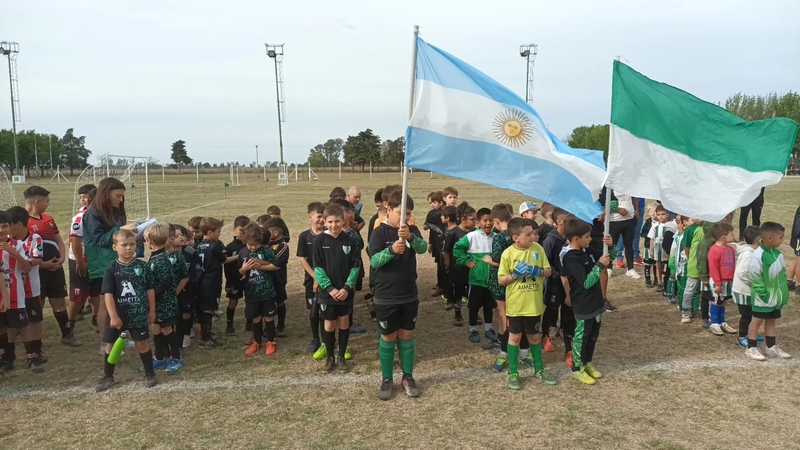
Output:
x,y
673,366
192,209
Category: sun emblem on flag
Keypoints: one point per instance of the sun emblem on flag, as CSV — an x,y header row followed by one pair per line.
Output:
x,y
512,127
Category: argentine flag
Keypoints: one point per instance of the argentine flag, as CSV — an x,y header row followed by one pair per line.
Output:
x,y
467,125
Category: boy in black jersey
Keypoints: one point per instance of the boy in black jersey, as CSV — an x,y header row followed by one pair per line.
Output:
x,y
209,258
458,275
316,220
449,225
131,304
257,263
183,243
273,235
336,270
169,277
554,293
351,228
393,256
433,222
234,286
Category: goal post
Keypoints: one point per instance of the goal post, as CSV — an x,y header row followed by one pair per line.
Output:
x,y
132,171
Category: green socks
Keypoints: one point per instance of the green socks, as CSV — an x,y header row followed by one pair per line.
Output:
x,y
513,358
407,355
386,354
537,356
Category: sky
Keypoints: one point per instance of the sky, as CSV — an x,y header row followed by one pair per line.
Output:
x,y
133,77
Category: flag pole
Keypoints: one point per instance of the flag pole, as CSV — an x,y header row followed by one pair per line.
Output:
x,y
607,215
410,112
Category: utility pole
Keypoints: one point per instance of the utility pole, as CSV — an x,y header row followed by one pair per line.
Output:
x,y
11,49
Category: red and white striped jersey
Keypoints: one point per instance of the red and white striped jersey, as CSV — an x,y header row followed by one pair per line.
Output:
x,y
13,275
30,248
45,227
76,230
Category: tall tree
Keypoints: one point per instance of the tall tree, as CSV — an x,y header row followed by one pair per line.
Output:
x,y
362,149
394,151
593,137
316,157
75,152
332,151
179,154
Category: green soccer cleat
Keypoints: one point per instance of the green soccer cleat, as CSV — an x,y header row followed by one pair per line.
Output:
x,y
546,377
583,377
321,352
513,382
592,372
499,363
348,355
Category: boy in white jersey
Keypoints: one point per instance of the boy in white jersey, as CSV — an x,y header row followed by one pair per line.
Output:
x,y
79,286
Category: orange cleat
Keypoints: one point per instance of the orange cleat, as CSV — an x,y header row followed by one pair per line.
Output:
x,y
253,349
271,348
547,345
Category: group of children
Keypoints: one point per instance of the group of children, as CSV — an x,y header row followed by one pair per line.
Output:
x,y
700,266
486,258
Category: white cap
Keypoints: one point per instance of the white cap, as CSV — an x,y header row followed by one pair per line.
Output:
x,y
527,206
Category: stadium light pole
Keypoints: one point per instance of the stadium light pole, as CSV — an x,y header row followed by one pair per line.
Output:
x,y
529,52
10,50
275,52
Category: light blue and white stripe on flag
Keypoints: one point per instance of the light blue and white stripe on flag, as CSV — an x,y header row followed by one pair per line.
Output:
x,y
467,125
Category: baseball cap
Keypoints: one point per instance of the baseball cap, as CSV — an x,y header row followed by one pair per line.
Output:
x,y
528,206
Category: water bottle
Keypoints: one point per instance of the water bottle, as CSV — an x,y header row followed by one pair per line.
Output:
x,y
119,346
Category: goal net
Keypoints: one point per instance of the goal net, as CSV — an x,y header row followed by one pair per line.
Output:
x,y
7,197
131,171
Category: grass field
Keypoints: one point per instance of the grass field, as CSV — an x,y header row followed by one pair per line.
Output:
x,y
666,385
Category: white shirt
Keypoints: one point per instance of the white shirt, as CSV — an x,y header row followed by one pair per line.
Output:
x,y
625,201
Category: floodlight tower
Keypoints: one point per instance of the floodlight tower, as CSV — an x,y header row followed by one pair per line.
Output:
x,y
275,52
11,49
529,52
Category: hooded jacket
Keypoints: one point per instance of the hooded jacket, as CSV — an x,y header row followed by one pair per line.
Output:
x,y
741,281
98,240
473,247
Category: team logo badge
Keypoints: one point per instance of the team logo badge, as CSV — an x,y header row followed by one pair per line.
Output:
x,y
323,307
76,226
513,128
383,324
137,271
172,260
346,249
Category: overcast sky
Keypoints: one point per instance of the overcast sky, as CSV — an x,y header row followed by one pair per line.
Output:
x,y
133,77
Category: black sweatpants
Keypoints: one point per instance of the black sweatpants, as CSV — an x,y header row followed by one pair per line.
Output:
x,y
755,206
584,341
626,230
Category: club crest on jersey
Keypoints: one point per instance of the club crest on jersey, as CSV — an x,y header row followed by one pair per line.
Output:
x,y
137,271
76,226
383,324
172,260
323,307
346,249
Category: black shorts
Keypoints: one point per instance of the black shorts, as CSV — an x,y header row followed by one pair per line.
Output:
x,y
168,322
110,335
397,317
234,292
774,314
54,283
33,306
480,297
186,301
208,296
15,318
524,324
78,285
334,311
745,310
260,309
95,286
280,294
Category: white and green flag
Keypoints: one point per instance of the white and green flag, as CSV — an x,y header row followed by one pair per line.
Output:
x,y
694,156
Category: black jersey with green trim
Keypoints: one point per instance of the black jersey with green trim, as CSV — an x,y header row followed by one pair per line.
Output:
x,y
259,285
209,257
337,256
129,283
396,281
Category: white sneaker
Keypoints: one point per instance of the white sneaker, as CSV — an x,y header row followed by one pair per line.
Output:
x,y
776,352
187,342
553,332
610,272
727,328
633,274
755,354
715,329
102,349
686,317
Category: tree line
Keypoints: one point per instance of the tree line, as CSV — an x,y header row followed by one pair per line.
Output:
x,y
68,151
358,151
